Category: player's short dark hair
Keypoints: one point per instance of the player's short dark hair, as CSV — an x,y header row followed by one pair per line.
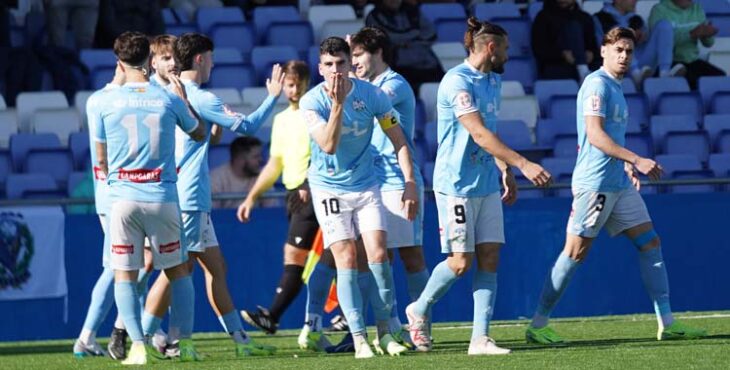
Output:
x,y
618,33
188,46
373,39
297,69
162,44
132,48
476,28
243,144
333,46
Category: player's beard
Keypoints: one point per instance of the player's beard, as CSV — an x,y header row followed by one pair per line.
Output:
x,y
497,66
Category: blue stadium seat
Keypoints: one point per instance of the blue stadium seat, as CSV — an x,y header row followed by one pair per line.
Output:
x,y
562,107
720,164
74,179
722,22
238,36
688,103
547,129
264,16
435,11
490,11
545,89
179,29
227,55
691,175
715,124
237,76
565,145
688,142
207,17
100,77
639,144
515,134
6,168
55,162
78,143
678,162
518,30
94,59
638,112
521,69
720,103
653,87
708,86
661,125
22,143
715,6
297,34
218,155
534,8
32,186
450,29
562,170
628,86
313,61
722,144
169,17
263,57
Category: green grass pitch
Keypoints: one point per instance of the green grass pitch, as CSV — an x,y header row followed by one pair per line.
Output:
x,y
610,342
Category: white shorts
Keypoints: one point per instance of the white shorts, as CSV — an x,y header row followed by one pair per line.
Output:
x,y
466,222
617,211
401,232
130,222
104,221
198,231
345,216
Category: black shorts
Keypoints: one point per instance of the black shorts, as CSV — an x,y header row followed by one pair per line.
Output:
x,y
303,223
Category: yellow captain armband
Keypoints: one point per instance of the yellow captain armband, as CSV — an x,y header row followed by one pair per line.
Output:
x,y
387,121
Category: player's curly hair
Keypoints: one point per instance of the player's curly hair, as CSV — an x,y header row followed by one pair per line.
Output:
x,y
618,33
333,46
187,46
476,29
132,48
373,39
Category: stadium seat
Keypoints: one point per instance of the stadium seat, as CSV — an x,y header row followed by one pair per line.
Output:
x,y
562,106
169,17
715,124
688,142
263,57
722,143
61,122
74,179
639,112
720,164
22,143
264,133
8,127
515,134
227,95
236,76
207,17
708,86
237,36
29,102
628,86
450,54
101,77
179,29
78,143
228,137
339,28
320,14
428,92
435,11
227,56
518,30
643,8
653,87
561,168
722,22
547,129
264,16
691,188
688,103
534,8
678,162
32,186
80,104
489,11
218,155
253,97
545,89
661,125
720,103
715,6
521,69
297,34
639,144
523,108
450,29
56,162
592,6
720,59
565,145
313,62
96,58
512,89
6,168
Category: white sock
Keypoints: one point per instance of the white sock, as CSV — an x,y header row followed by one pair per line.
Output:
x,y
119,324
360,337
241,337
87,336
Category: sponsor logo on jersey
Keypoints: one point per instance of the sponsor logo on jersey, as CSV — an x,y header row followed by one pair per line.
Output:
x,y
138,103
122,248
99,174
170,247
140,176
358,105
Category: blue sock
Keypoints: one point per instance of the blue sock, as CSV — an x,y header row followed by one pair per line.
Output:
x,y
125,296
654,276
438,284
183,301
150,323
318,289
231,322
365,281
416,283
142,279
552,290
102,299
484,290
381,294
348,293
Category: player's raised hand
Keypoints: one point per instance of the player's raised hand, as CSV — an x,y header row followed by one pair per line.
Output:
x,y
276,82
244,210
649,168
337,92
509,197
409,202
536,174
177,87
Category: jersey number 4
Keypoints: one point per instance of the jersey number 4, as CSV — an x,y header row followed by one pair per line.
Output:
x,y
152,121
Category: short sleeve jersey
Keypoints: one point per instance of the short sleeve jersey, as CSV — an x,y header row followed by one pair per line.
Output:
x,y
93,114
290,143
350,168
401,96
462,167
600,95
138,123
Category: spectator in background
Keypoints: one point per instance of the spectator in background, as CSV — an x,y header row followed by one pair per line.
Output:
x,y
118,16
80,14
239,175
412,35
653,49
690,25
564,41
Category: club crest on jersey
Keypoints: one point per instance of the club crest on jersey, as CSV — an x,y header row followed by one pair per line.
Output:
x,y
16,250
358,105
464,100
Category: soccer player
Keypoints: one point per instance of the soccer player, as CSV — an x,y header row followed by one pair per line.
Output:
x,y
339,113
194,55
605,193
469,162
135,144
162,59
371,52
290,153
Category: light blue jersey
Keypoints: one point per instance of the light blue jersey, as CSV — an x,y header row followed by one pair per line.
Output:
x,y
192,156
350,168
138,123
600,95
93,114
462,167
404,103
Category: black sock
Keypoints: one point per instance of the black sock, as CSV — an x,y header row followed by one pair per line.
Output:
x,y
289,286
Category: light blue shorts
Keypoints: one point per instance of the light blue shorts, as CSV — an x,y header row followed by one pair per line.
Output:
x,y
198,231
401,232
466,222
617,211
